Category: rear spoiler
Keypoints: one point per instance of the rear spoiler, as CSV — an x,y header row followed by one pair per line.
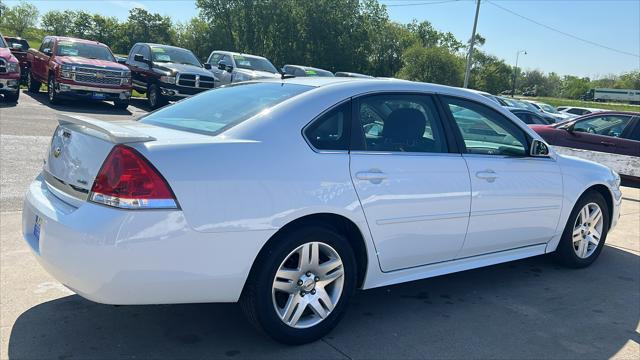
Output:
x,y
115,133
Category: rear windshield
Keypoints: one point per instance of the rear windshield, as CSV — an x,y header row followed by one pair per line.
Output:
x,y
214,111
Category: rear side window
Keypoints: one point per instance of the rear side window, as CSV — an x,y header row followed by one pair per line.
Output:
x,y
485,131
524,117
214,111
331,130
401,123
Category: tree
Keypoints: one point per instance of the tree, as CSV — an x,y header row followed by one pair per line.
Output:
x,y
19,18
3,8
573,87
143,26
56,22
490,74
436,65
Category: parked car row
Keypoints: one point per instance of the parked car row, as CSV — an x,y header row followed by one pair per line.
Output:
x,y
78,68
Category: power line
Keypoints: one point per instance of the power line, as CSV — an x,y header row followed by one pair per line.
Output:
x,y
563,32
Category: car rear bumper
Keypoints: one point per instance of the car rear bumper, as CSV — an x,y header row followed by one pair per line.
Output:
x,y
93,92
116,256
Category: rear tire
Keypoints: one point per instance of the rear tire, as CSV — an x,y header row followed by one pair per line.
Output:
x,y
585,232
32,85
311,303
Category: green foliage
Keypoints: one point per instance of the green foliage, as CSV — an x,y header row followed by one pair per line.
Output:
x,y
143,26
19,19
434,64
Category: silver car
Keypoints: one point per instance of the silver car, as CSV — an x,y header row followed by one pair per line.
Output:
x,y
231,67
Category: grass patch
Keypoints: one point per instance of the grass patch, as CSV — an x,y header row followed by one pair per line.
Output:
x,y
590,104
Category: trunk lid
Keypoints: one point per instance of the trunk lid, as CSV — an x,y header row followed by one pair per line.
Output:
x,y
80,145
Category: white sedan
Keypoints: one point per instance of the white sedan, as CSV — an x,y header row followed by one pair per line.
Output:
x,y
288,195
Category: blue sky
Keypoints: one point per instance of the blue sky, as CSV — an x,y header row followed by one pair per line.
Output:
x,y
612,23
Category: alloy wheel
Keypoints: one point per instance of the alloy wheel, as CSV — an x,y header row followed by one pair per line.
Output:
x,y
308,285
587,230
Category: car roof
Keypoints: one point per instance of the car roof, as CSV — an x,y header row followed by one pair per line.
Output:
x,y
161,45
303,67
237,53
68,38
582,108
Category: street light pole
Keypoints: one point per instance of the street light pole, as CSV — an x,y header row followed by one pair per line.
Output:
x,y
515,72
473,41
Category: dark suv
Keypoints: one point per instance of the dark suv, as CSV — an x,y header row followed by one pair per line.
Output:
x,y
167,73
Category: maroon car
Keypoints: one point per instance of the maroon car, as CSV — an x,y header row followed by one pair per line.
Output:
x,y
611,138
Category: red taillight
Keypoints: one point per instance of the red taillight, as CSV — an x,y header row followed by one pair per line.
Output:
x,y
127,180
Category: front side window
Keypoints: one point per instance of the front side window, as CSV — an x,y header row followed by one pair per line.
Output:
x,y
607,125
85,50
213,60
331,130
485,131
401,123
233,105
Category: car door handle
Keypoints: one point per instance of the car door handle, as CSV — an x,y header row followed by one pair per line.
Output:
x,y
374,176
488,175
607,143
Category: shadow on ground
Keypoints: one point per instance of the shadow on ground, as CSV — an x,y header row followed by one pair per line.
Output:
x,y
87,106
525,309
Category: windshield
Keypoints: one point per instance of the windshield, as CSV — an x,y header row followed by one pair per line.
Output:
x,y
3,44
174,55
23,43
254,63
548,108
85,50
318,72
234,104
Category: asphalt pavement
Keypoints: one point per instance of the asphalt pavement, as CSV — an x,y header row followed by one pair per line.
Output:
x,y
520,310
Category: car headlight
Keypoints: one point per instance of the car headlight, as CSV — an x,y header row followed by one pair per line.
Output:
x,y
168,79
66,71
13,67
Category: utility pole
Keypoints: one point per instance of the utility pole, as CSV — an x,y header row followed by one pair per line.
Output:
x,y
515,72
473,41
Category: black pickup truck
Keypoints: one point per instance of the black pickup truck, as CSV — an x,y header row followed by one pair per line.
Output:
x,y
167,73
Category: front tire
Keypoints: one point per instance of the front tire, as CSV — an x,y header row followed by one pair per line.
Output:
x,y
32,85
155,98
300,286
585,232
12,97
54,98
121,104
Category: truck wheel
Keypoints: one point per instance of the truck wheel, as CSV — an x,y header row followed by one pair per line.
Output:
x,y
121,104
51,86
155,98
12,97
32,84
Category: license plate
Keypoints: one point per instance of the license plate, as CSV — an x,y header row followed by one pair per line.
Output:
x,y
99,96
36,227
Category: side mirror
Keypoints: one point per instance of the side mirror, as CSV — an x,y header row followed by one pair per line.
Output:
x,y
16,46
229,68
207,66
47,52
222,65
539,149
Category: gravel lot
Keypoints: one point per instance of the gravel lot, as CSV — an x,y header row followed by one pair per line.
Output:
x,y
524,309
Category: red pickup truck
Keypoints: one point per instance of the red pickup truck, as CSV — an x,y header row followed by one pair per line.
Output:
x,y
76,68
9,73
